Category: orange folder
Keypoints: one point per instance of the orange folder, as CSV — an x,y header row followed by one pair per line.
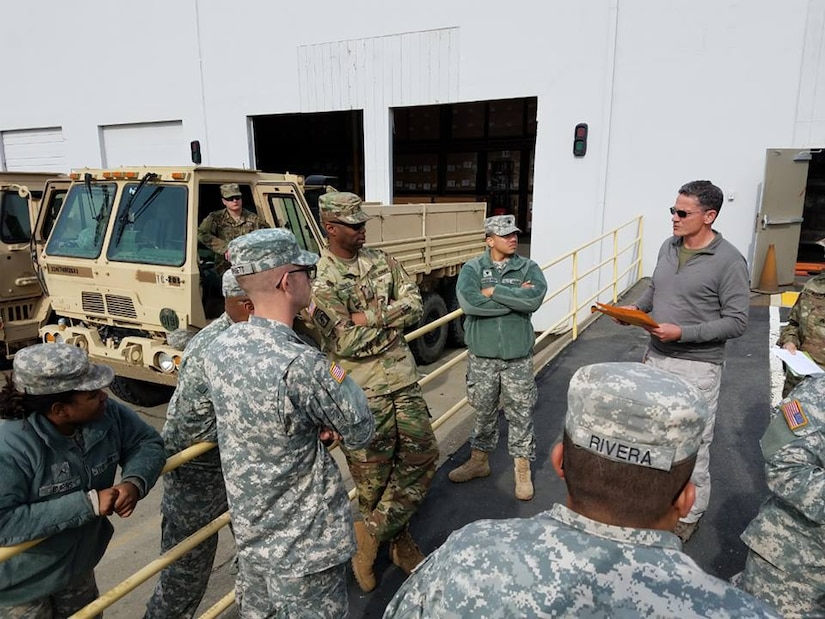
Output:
x,y
637,318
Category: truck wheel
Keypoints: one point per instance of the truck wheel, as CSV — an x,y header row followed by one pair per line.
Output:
x,y
428,348
140,392
455,328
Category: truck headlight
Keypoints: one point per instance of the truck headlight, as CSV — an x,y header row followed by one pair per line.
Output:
x,y
165,362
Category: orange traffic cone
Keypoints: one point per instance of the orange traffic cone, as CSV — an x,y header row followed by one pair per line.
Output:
x,y
769,282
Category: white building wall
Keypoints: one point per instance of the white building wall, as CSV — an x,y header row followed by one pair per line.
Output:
x,y
672,91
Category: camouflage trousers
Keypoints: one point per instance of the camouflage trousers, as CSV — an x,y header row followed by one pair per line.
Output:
x,y
80,591
511,383
394,472
707,377
192,498
267,596
773,586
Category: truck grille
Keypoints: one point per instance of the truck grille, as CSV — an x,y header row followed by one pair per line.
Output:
x,y
20,311
117,305
93,302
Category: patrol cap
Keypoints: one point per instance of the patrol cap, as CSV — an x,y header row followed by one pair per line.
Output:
x,y
265,249
634,413
342,206
44,369
179,338
229,285
500,225
230,190
800,414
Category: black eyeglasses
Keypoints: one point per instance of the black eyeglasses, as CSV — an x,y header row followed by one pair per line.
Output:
x,y
682,214
358,226
233,198
311,272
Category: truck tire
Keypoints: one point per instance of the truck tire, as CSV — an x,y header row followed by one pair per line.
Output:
x,y
428,348
140,392
455,328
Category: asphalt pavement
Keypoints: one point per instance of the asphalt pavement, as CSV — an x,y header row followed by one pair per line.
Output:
x,y
738,484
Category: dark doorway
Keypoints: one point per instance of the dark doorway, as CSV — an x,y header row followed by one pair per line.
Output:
x,y
468,152
329,143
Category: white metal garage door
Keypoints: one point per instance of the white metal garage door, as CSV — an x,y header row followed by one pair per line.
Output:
x,y
33,150
152,143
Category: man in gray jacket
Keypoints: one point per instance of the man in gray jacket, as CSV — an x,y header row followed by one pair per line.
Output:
x,y
699,296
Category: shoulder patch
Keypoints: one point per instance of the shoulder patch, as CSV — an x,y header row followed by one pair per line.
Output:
x,y
320,317
794,415
337,372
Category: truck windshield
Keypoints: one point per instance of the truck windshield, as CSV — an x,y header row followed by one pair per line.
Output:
x,y
150,225
15,226
81,224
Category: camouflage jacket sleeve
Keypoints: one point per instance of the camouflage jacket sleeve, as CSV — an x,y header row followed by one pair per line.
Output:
x,y
142,454
790,332
795,474
207,233
332,399
525,300
470,299
405,307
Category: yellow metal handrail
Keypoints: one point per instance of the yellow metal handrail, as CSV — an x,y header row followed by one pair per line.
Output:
x,y
176,460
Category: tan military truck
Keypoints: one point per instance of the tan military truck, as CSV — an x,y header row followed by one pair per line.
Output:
x,y
124,269
23,306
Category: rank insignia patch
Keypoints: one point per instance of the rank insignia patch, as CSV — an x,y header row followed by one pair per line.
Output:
x,y
337,372
794,415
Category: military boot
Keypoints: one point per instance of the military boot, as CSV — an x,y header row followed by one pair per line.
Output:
x,y
477,466
364,557
404,552
524,485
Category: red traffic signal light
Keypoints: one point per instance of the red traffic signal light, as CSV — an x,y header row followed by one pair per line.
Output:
x,y
580,140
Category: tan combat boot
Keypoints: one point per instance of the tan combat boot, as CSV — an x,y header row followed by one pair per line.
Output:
x,y
364,557
524,485
477,466
405,553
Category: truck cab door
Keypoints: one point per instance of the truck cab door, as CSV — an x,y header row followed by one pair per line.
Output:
x,y
50,205
284,206
779,220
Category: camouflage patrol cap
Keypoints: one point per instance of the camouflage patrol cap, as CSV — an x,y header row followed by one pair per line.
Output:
x,y
500,225
265,249
800,414
636,414
179,338
230,190
57,368
342,206
816,284
230,287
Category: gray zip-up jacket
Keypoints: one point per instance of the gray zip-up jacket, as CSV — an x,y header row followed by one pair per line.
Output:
x,y
708,298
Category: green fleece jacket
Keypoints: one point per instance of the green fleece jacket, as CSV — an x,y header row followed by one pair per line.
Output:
x,y
499,327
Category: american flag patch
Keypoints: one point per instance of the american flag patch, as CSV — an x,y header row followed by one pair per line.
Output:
x,y
339,373
794,415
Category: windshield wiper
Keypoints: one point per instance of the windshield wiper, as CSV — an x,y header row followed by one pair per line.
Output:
x,y
123,218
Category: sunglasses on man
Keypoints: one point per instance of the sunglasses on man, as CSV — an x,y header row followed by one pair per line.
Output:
x,y
356,227
233,199
311,272
682,214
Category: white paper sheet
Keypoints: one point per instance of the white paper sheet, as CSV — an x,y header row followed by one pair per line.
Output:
x,y
800,363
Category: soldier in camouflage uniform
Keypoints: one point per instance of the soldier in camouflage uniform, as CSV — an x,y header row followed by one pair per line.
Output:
x,y
220,227
362,301
805,330
630,441
786,558
61,443
498,292
275,400
194,493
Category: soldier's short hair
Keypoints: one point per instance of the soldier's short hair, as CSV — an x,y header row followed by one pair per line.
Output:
x,y
708,195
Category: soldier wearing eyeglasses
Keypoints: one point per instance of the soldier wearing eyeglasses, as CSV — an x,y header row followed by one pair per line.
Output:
x,y
699,295
222,226
362,302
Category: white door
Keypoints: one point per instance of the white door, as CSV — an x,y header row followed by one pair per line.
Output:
x,y
779,220
153,143
40,150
